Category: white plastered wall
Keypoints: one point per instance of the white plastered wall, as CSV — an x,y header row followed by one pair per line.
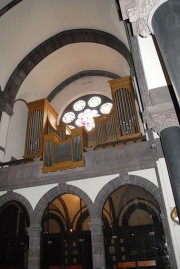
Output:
x,y
4,124
16,132
151,64
169,204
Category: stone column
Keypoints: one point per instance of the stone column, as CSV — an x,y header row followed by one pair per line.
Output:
x,y
163,120
171,145
162,18
34,232
97,239
165,25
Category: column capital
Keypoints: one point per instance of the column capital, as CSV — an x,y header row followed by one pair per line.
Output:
x,y
160,117
140,13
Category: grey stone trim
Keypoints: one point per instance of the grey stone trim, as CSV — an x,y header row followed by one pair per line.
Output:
x,y
62,188
49,46
87,73
9,6
119,159
12,196
2,149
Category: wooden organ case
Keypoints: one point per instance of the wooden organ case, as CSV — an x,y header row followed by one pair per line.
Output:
x,y
40,115
62,148
122,122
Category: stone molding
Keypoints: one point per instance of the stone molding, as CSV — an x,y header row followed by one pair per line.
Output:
x,y
140,13
160,117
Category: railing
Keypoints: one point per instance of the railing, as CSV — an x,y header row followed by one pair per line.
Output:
x,y
16,162
121,142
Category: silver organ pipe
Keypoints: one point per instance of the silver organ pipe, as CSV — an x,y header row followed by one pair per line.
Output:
x,y
124,110
110,128
34,132
100,134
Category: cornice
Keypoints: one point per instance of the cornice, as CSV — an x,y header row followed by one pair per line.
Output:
x,y
160,117
140,13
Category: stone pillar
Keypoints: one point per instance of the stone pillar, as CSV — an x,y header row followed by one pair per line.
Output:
x,y
165,25
170,138
34,232
162,18
163,120
97,239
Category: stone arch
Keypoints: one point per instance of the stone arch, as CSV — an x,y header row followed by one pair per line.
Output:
x,y
126,180
12,196
82,74
61,189
49,46
138,181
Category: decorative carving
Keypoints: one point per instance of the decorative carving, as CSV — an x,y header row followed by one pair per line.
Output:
x,y
139,13
160,117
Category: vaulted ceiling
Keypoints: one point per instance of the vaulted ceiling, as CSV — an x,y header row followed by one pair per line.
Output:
x,y
60,49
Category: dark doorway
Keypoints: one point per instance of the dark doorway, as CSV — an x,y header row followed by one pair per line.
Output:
x,y
66,239
133,231
14,239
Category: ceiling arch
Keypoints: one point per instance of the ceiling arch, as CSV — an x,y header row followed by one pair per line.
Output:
x,y
85,73
51,45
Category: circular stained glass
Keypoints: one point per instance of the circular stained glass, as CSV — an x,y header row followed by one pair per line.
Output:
x,y
79,105
106,108
94,101
94,113
78,122
80,115
68,117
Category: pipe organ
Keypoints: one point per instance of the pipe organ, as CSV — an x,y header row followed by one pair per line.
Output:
x,y
62,147
40,115
124,108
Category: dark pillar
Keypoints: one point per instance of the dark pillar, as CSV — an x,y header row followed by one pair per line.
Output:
x,y
170,138
97,239
34,247
166,27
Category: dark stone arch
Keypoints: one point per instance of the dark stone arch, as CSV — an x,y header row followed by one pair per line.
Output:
x,y
120,181
148,186
87,73
52,216
12,196
80,220
61,189
6,8
49,46
132,208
